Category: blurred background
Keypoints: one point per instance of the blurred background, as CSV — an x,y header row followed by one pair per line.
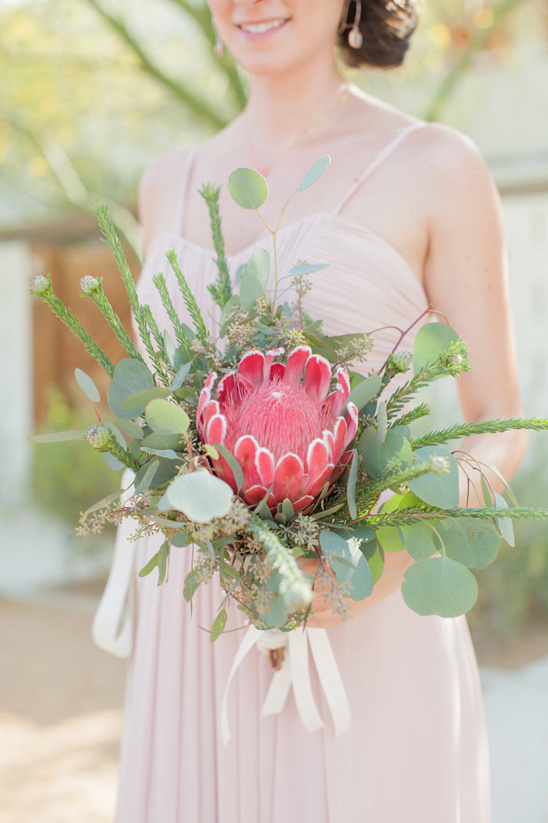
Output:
x,y
91,92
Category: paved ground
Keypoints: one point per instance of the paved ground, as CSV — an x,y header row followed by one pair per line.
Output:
x,y
61,715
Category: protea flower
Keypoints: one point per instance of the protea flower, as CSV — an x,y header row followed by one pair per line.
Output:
x,y
288,434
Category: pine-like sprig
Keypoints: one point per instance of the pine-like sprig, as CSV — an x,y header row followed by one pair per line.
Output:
x,y
479,427
415,515
188,297
178,328
221,291
41,287
93,288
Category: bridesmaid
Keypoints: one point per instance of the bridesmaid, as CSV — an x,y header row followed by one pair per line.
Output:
x,y
407,216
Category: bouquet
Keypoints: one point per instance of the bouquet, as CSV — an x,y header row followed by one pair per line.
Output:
x,y
262,444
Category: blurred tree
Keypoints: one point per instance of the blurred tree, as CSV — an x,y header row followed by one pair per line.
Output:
x,y
91,91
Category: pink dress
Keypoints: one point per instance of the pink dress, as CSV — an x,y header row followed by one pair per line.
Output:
x,y
416,751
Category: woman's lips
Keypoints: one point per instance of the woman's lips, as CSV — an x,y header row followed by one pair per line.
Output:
x,y
261,29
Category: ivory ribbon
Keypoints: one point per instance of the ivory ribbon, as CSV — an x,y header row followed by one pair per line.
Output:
x,y
113,623
295,672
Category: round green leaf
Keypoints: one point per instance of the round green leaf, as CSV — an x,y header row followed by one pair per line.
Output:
x,y
355,575
440,489
248,188
469,541
315,172
307,268
161,441
87,385
143,397
377,455
200,496
389,538
254,279
376,562
130,376
439,586
430,341
333,545
420,540
365,391
166,418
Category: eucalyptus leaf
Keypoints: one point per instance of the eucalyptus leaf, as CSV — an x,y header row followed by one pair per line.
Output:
x,y
248,188
57,437
420,540
333,545
356,576
130,376
130,428
87,385
180,540
315,172
431,340
233,463
218,626
440,489
351,486
166,418
150,565
376,561
112,462
365,391
505,524
145,476
192,581
439,586
200,496
307,268
161,441
388,537
255,279
381,420
143,397
169,454
180,377
376,455
163,556
362,532
469,540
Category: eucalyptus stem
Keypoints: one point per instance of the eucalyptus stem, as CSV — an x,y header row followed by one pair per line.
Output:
x,y
41,287
479,427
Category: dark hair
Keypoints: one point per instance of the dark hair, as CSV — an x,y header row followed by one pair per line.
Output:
x,y
386,27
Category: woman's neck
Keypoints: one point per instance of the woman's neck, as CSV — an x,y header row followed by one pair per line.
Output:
x,y
284,110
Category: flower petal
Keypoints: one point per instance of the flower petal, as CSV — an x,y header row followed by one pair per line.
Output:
x,y
210,409
302,503
245,452
226,387
251,366
216,429
224,472
317,458
315,484
339,432
277,372
264,463
268,361
329,440
205,397
352,418
255,494
288,477
296,363
317,376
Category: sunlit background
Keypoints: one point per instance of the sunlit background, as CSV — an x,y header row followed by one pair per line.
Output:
x,y
91,92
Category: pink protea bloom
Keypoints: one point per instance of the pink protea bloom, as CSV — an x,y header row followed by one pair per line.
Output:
x,y
289,435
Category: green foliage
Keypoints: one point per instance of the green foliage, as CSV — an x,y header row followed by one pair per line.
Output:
x,y
248,188
439,586
68,477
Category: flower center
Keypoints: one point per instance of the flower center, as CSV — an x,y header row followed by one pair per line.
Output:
x,y
282,417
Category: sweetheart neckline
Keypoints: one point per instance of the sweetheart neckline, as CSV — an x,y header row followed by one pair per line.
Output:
x,y
284,229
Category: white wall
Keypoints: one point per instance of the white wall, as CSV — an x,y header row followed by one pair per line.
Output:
x,y
15,372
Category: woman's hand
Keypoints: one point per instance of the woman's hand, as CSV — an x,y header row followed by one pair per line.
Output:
x,y
325,615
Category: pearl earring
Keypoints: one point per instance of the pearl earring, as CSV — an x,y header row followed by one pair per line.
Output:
x,y
355,37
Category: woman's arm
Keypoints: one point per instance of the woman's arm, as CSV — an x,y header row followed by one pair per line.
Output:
x,y
465,279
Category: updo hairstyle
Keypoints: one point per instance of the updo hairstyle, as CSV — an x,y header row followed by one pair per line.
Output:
x,y
386,27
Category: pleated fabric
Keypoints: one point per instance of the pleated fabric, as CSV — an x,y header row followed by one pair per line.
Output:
x,y
416,751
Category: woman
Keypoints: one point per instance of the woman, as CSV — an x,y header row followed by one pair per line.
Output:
x,y
407,216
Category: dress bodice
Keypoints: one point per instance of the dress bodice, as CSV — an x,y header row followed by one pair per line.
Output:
x,y
368,285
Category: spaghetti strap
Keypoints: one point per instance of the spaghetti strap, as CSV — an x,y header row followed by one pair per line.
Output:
x,y
181,203
376,162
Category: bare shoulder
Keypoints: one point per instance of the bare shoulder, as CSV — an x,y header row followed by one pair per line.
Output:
x,y
159,189
448,157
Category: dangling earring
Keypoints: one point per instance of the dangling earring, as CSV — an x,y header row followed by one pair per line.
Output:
x,y
355,37
218,48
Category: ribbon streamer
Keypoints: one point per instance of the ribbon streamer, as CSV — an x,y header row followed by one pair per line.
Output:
x,y
295,672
